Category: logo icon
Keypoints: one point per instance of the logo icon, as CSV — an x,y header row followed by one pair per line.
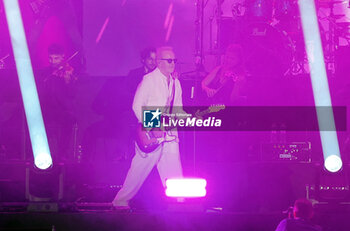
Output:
x,y
151,118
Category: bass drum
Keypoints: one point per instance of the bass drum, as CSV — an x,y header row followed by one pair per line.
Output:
x,y
268,51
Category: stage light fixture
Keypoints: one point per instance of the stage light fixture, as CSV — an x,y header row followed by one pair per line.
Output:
x,y
38,138
186,187
329,139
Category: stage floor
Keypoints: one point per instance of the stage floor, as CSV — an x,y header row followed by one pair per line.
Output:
x,y
180,218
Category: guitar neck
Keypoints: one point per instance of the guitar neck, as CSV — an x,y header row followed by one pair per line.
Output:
x,y
202,113
211,109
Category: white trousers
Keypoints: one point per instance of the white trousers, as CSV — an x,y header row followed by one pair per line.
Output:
x,y
167,159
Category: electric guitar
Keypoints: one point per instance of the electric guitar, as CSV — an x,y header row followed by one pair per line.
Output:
x,y
148,141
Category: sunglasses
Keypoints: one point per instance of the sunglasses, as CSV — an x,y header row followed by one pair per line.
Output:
x,y
170,60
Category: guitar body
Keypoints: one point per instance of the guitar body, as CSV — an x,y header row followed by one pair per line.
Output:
x,y
148,141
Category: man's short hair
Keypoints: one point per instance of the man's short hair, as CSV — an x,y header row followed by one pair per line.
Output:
x,y
303,208
55,49
160,50
145,53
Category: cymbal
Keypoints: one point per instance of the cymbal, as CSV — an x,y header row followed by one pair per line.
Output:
x,y
329,3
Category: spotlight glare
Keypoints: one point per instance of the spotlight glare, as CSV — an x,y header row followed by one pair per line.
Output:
x,y
43,161
333,163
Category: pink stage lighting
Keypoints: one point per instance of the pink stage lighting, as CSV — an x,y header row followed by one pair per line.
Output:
x,y
186,187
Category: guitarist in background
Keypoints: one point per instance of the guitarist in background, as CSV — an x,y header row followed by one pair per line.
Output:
x,y
224,84
158,88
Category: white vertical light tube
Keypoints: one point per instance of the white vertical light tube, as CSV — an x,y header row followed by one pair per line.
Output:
x,y
329,139
38,138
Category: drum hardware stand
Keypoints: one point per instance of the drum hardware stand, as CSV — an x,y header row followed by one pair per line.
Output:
x,y
218,31
2,61
297,66
333,42
199,23
211,18
298,55
77,150
200,70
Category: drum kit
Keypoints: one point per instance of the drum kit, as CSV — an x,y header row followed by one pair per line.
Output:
x,y
270,32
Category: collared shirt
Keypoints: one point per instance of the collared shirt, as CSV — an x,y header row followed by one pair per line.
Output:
x,y
154,90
